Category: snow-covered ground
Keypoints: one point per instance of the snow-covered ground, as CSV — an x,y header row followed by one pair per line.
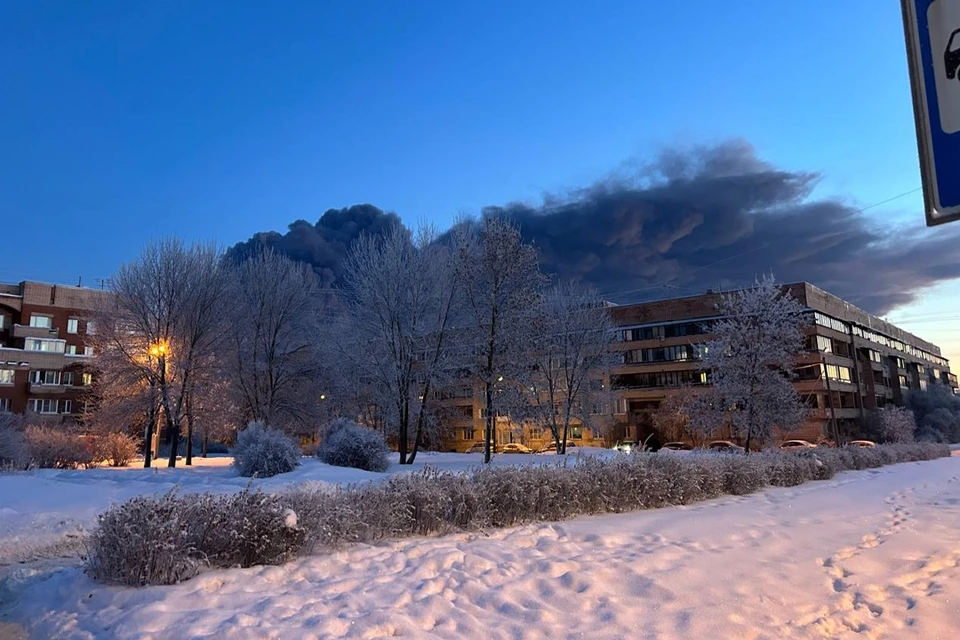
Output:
x,y
874,553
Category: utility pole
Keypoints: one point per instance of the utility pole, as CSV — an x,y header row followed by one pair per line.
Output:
x,y
833,412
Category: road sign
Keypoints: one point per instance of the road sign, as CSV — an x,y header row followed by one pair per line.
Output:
x,y
932,29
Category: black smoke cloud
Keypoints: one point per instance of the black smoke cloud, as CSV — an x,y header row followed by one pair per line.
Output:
x,y
700,218
323,245
718,217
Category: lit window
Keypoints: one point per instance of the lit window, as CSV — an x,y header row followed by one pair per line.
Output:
x,y
6,376
73,325
576,433
42,322
87,379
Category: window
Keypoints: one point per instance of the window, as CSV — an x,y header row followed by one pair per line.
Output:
x,y
621,406
597,409
824,344
44,377
66,378
87,379
36,344
3,321
42,322
45,405
67,406
91,327
71,349
88,351
469,434
576,433
903,382
73,325
874,356
4,405
6,376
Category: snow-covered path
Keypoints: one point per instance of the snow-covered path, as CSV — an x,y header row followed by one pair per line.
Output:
x,y
869,554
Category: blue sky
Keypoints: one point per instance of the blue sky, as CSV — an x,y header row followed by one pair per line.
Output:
x,y
122,121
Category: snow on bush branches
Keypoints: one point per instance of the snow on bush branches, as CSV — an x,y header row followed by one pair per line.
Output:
x,y
262,452
347,444
161,540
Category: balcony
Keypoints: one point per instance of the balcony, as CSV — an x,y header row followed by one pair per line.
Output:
x,y
40,388
23,331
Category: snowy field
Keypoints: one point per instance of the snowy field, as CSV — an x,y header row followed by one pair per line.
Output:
x,y
868,554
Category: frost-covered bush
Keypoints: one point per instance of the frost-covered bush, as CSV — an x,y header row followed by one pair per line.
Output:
x,y
117,448
262,452
347,444
13,449
171,538
51,448
896,424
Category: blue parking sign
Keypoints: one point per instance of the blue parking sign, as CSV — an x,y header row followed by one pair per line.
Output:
x,y
932,29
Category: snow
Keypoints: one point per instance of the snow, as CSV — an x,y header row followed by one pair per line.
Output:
x,y
874,553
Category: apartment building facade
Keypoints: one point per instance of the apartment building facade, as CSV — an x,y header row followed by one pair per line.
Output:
x,y
44,355
852,362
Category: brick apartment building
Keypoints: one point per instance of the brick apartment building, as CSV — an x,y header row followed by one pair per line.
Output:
x,y
43,355
852,362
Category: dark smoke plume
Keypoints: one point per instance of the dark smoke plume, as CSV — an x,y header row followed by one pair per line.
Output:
x,y
703,218
719,217
323,245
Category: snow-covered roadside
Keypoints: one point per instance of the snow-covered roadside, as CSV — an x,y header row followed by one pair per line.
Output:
x,y
872,552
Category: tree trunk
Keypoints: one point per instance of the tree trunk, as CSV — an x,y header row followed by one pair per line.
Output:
x,y
174,429
189,460
203,447
148,436
404,426
488,425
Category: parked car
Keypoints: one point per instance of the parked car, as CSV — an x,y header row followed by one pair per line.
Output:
x,y
724,445
862,444
624,447
552,447
476,447
515,447
793,445
677,446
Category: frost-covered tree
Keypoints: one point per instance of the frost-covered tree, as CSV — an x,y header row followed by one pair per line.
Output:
x,y
271,355
896,424
937,412
502,284
402,296
164,321
570,359
751,361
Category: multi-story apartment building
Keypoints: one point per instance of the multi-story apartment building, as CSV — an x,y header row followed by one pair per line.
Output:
x,y
852,362
43,349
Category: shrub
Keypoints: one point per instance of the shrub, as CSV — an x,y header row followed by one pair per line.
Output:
x,y
262,452
347,444
118,448
13,449
50,448
167,539
170,538
896,424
